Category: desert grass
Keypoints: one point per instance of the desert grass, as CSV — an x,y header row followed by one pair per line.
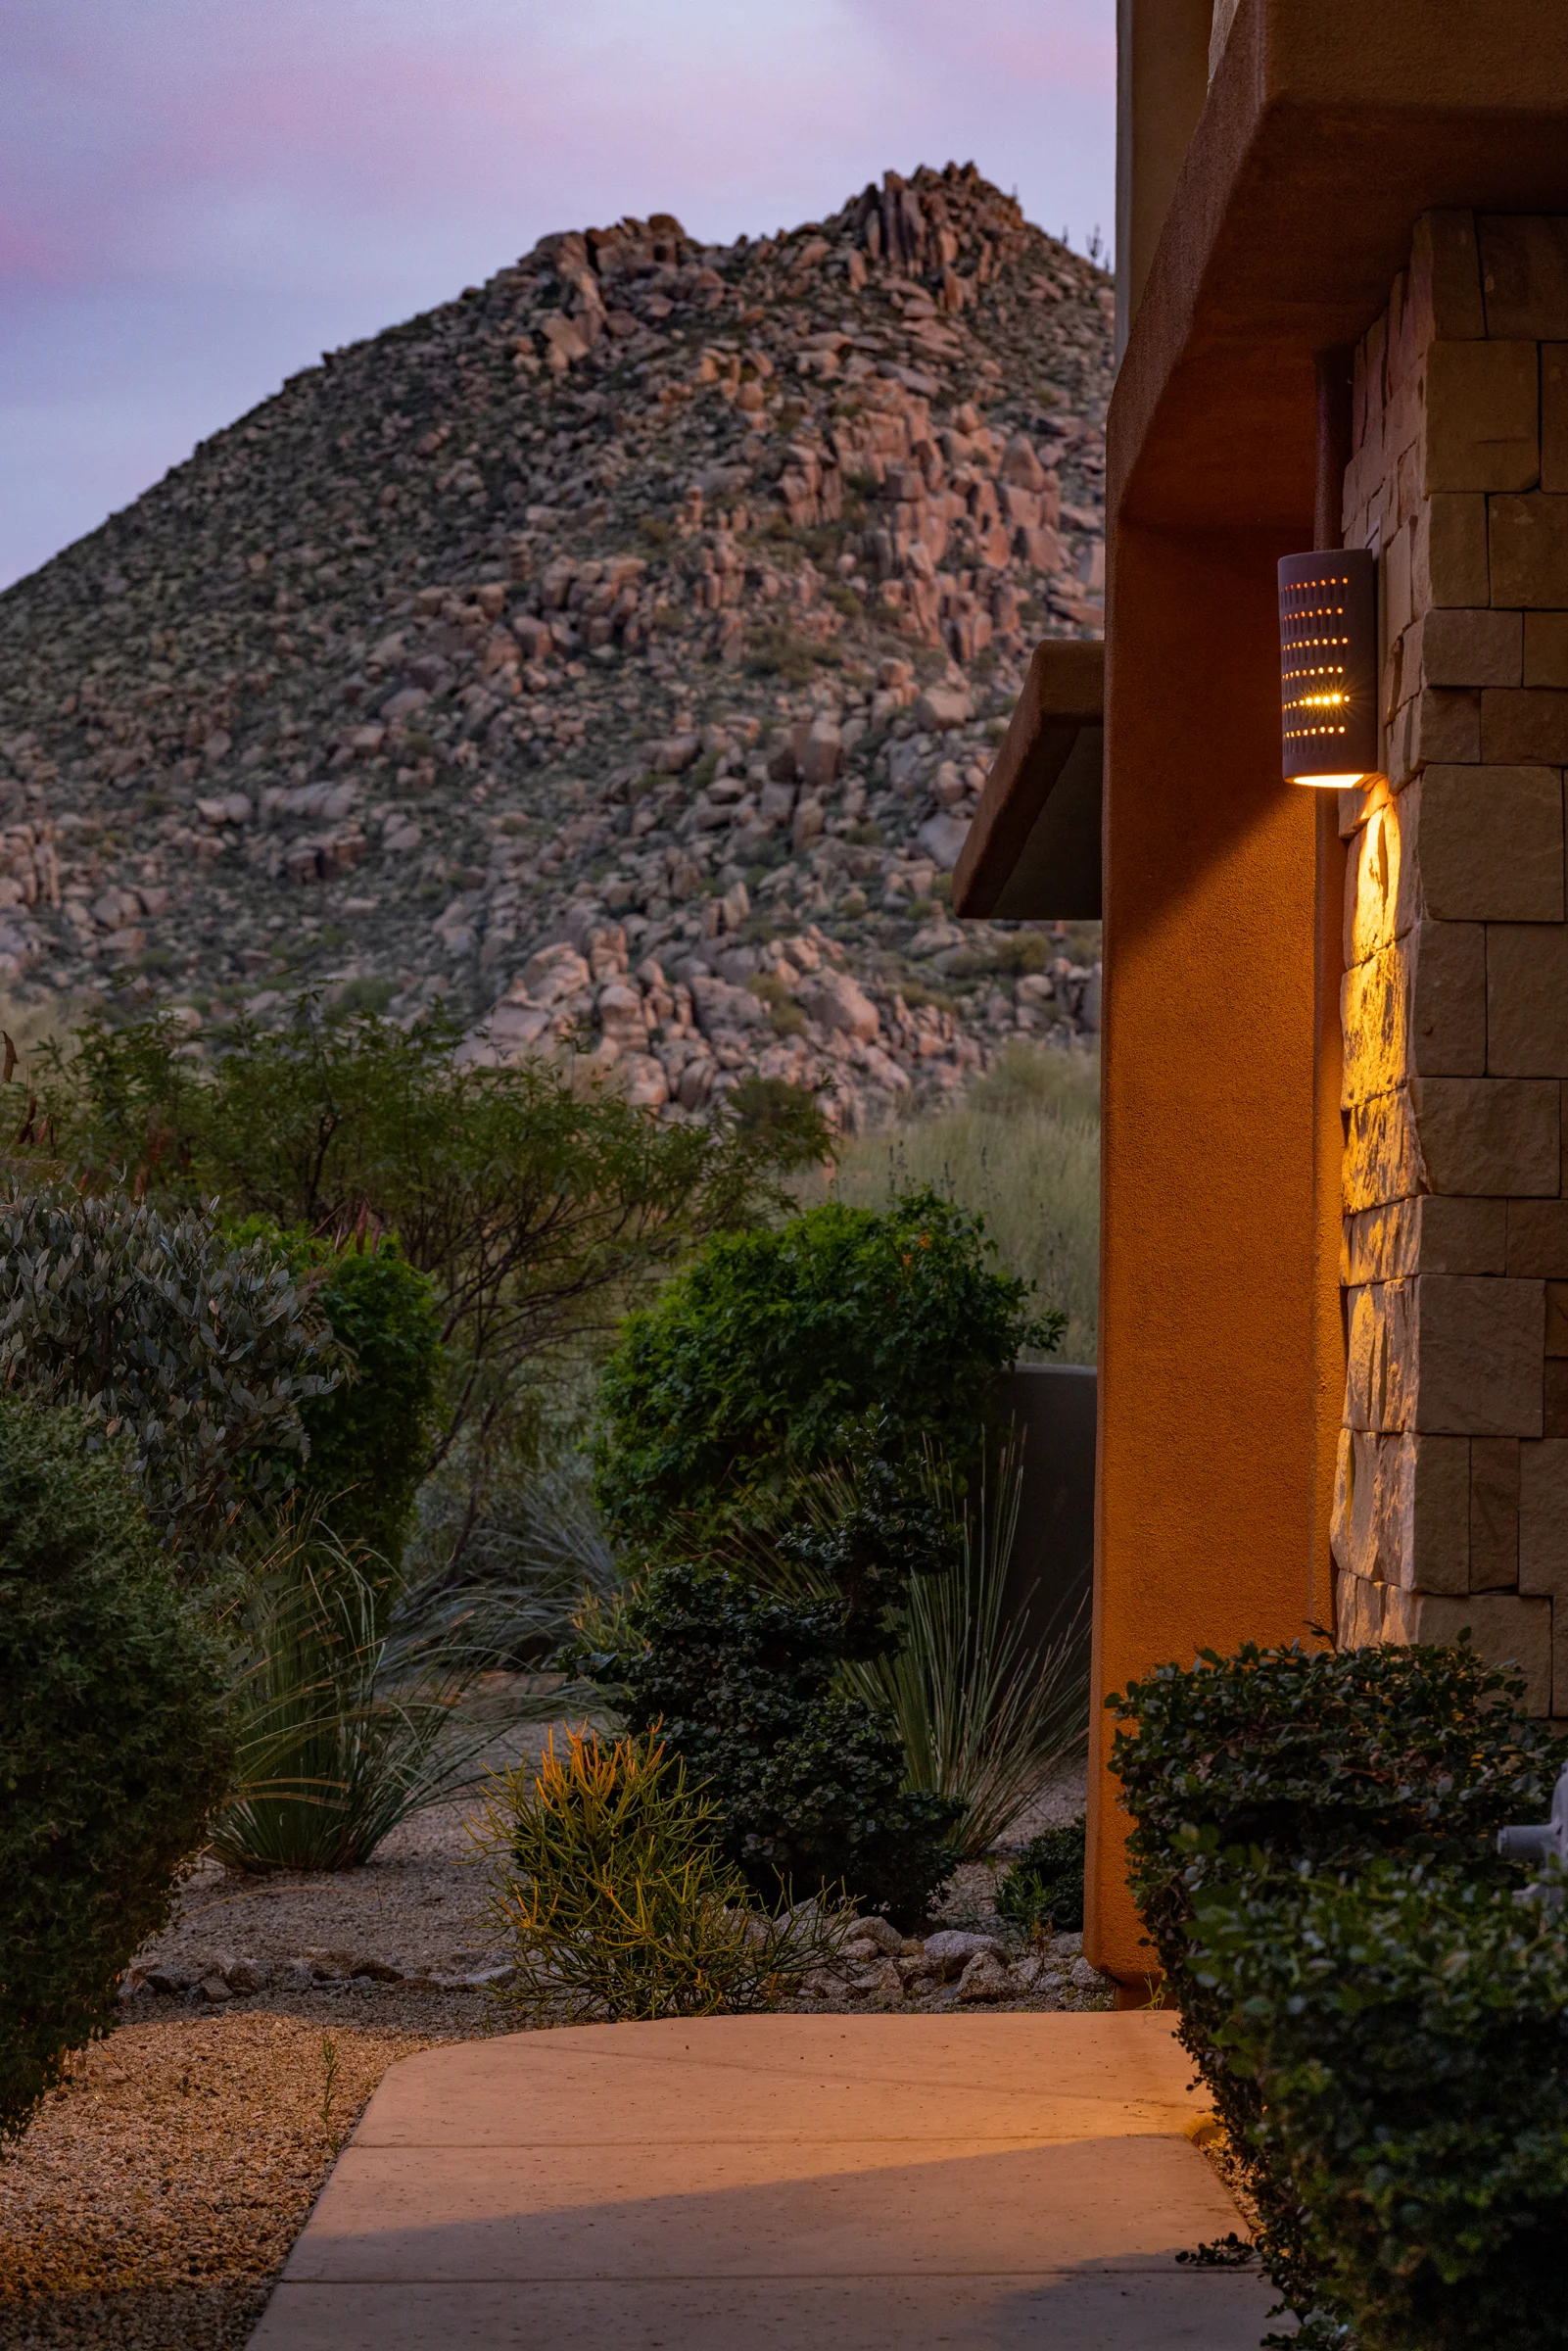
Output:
x,y
1022,1148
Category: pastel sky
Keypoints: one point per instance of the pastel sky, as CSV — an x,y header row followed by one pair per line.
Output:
x,y
197,197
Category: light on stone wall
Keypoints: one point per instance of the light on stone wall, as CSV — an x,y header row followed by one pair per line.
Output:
x,y
1328,665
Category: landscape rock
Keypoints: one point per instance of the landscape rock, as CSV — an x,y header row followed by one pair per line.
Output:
x,y
985,1977
950,1950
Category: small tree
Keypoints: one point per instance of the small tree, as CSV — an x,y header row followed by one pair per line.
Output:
x,y
766,1357
113,1741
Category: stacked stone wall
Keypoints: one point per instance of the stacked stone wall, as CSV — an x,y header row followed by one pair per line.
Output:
x,y
1452,1505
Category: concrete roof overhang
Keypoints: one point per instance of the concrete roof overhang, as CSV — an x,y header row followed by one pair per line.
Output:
x,y
1033,847
1330,126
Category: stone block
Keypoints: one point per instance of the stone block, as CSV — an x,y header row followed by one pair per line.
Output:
x,y
1443,292
1429,1234
1382,1160
1546,661
1554,416
1527,999
1554,1407
1358,1611
1449,552
1493,1513
1537,1240
1556,1319
1483,416
1401,1509
1487,1137
1397,610
1440,723
1477,1357
1524,727
1529,560
1489,842
1524,274
1466,646
1543,1544
1372,902
1507,1628
1418,1005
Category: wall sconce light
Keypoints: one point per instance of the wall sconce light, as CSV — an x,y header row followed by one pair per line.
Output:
x,y
1328,666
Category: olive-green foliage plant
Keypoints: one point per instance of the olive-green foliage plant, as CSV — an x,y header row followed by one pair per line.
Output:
x,y
1404,2028
765,1359
538,1208
1244,1773
342,1729
612,1899
747,1686
985,1714
1043,1888
201,1352
1020,1147
372,1434
114,1743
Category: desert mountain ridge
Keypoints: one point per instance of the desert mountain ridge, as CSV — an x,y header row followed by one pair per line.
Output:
x,y
615,652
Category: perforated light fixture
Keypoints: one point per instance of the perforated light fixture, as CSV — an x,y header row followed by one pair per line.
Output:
x,y
1328,665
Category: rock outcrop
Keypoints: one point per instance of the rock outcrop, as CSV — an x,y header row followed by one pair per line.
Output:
x,y
616,651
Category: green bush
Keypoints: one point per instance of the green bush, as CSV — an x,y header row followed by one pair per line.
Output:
x,y
113,1742
1044,1888
201,1352
612,1898
371,1436
1407,2035
810,1781
1246,1771
767,1355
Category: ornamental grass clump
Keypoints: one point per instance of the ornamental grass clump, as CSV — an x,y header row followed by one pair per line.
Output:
x,y
1252,1777
612,1899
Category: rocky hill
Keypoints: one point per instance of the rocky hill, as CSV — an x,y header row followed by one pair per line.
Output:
x,y
616,650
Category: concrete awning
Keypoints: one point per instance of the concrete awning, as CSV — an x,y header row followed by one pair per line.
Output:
x,y
1033,849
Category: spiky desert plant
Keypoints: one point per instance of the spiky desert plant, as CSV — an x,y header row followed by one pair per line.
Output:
x,y
612,1899
339,1740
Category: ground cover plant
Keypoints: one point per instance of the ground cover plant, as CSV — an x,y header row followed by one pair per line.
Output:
x,y
1043,1888
615,1902
114,1743
1253,1776
764,1360
743,1685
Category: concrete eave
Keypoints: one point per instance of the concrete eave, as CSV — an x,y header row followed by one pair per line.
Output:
x,y
1330,126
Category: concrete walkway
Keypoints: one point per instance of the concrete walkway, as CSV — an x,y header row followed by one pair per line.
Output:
x,y
792,2181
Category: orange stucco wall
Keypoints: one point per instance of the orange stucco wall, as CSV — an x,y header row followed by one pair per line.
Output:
x,y
1219,1370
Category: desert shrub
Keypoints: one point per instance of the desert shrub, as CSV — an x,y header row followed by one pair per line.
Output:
x,y
1244,1772
613,1901
113,1741
1405,2032
538,1209
809,1779
201,1352
1044,1886
766,1356
372,1434
342,1729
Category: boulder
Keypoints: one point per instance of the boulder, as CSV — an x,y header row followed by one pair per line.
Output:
x,y
949,1952
942,707
985,1977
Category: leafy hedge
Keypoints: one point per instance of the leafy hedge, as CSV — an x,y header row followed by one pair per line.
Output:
x,y
1407,2037
770,1353
113,1742
1249,1773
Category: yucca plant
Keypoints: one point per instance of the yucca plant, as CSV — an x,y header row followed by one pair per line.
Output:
x,y
612,1899
341,1735
985,1714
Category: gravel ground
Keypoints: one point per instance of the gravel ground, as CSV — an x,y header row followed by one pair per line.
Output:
x,y
156,2196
